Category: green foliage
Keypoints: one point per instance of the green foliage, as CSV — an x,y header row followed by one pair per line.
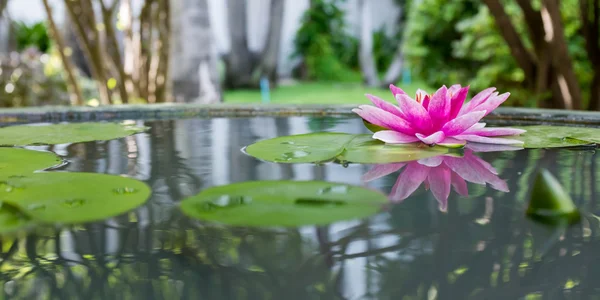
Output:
x,y
451,42
384,48
25,80
430,32
322,62
328,50
35,35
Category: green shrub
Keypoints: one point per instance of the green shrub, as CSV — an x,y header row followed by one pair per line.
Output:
x,y
328,51
451,42
35,35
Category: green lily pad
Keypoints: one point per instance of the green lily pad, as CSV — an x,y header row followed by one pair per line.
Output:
x,y
23,135
329,146
73,197
364,149
283,203
372,127
550,203
16,161
541,136
12,218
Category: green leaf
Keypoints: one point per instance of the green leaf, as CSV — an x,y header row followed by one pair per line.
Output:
x,y
542,136
16,161
550,203
283,203
328,146
12,218
364,149
372,127
73,197
23,135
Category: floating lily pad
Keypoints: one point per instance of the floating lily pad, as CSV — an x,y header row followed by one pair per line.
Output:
x,y
557,136
364,149
283,203
16,161
73,197
12,218
23,135
372,127
550,203
328,146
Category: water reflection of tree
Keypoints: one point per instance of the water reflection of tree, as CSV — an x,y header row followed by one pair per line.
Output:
x,y
198,262
167,163
490,250
482,248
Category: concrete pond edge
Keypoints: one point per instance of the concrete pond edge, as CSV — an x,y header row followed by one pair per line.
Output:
x,y
57,114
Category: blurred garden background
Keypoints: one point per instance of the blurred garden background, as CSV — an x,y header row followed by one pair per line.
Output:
x,y
103,52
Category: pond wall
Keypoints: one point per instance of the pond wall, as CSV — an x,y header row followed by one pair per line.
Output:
x,y
503,115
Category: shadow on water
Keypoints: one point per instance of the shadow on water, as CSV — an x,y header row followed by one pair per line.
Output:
x,y
482,247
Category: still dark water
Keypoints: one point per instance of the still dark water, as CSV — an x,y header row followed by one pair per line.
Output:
x,y
482,247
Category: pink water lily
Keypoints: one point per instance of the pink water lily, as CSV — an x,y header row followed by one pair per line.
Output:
x,y
442,118
439,174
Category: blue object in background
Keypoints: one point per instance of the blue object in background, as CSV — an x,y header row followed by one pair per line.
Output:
x,y
264,90
406,79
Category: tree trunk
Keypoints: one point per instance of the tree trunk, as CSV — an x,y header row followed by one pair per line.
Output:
x,y
395,69
72,41
591,26
551,66
533,19
366,58
4,29
114,52
543,55
194,72
567,80
239,62
162,44
509,33
594,103
81,12
3,4
270,55
73,85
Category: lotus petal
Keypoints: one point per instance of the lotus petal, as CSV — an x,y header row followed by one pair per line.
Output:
x,y
462,123
411,178
431,139
379,171
394,137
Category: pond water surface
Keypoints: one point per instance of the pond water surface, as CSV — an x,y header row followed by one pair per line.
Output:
x,y
480,246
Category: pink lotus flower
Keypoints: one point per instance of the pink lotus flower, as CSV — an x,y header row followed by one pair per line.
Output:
x,y
442,118
439,174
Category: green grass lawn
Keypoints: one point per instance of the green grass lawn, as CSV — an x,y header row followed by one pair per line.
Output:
x,y
318,93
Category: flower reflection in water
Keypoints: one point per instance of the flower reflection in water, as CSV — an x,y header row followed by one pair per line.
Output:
x,y
441,173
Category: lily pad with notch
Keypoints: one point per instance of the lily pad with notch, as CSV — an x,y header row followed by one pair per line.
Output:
x,y
17,161
283,203
61,197
330,146
23,135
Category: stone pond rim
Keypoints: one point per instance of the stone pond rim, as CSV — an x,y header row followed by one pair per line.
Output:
x,y
171,111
